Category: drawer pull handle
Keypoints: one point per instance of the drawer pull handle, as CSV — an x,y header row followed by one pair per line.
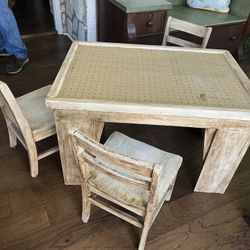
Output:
x,y
150,23
131,30
233,37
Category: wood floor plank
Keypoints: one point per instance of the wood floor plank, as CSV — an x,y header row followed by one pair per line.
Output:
x,y
65,233
68,206
25,199
125,236
122,236
198,204
21,224
222,228
4,205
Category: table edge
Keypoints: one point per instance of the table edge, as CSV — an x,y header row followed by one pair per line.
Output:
x,y
152,109
53,102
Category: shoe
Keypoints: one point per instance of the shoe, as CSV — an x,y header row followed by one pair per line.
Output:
x,y
3,52
15,65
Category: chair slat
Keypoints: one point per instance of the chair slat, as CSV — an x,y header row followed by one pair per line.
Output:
x,y
48,152
101,193
182,42
107,170
190,28
121,214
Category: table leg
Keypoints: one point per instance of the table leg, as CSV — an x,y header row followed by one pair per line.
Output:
x,y
93,129
223,152
209,136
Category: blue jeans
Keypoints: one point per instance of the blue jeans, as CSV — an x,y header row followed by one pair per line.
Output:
x,y
10,38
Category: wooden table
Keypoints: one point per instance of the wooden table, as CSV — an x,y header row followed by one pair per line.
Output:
x,y
121,83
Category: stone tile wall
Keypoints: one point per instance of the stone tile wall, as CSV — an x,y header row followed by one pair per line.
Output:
x,y
79,19
63,13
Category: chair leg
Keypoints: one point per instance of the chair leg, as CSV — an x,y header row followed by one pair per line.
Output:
x,y
147,224
170,190
33,159
12,138
144,236
86,204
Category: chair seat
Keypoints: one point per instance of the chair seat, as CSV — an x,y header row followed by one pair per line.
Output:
x,y
34,110
136,196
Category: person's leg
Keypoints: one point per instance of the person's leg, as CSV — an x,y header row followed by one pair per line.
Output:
x,y
3,52
1,43
11,40
10,36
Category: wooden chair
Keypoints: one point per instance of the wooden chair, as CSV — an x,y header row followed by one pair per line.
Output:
x,y
29,121
174,24
125,172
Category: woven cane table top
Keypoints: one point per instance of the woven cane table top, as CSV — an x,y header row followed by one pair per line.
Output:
x,y
147,76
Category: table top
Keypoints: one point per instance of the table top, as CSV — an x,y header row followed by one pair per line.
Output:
x,y
135,6
151,80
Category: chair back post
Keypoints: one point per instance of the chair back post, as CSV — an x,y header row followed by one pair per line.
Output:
x,y
151,206
78,150
153,189
206,37
167,30
10,107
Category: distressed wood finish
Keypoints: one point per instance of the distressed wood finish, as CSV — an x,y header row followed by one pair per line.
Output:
x,y
208,139
28,121
204,103
174,24
227,148
121,165
64,121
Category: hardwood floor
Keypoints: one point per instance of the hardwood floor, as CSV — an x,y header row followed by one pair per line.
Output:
x,y
43,213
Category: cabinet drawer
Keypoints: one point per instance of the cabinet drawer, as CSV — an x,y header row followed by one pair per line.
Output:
x,y
139,24
226,37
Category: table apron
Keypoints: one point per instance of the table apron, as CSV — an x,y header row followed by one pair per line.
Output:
x,y
159,120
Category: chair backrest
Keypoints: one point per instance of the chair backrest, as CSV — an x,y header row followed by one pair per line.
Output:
x,y
113,164
174,24
12,112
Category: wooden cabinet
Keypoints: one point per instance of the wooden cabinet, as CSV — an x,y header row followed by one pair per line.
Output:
x,y
115,25
147,27
228,37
